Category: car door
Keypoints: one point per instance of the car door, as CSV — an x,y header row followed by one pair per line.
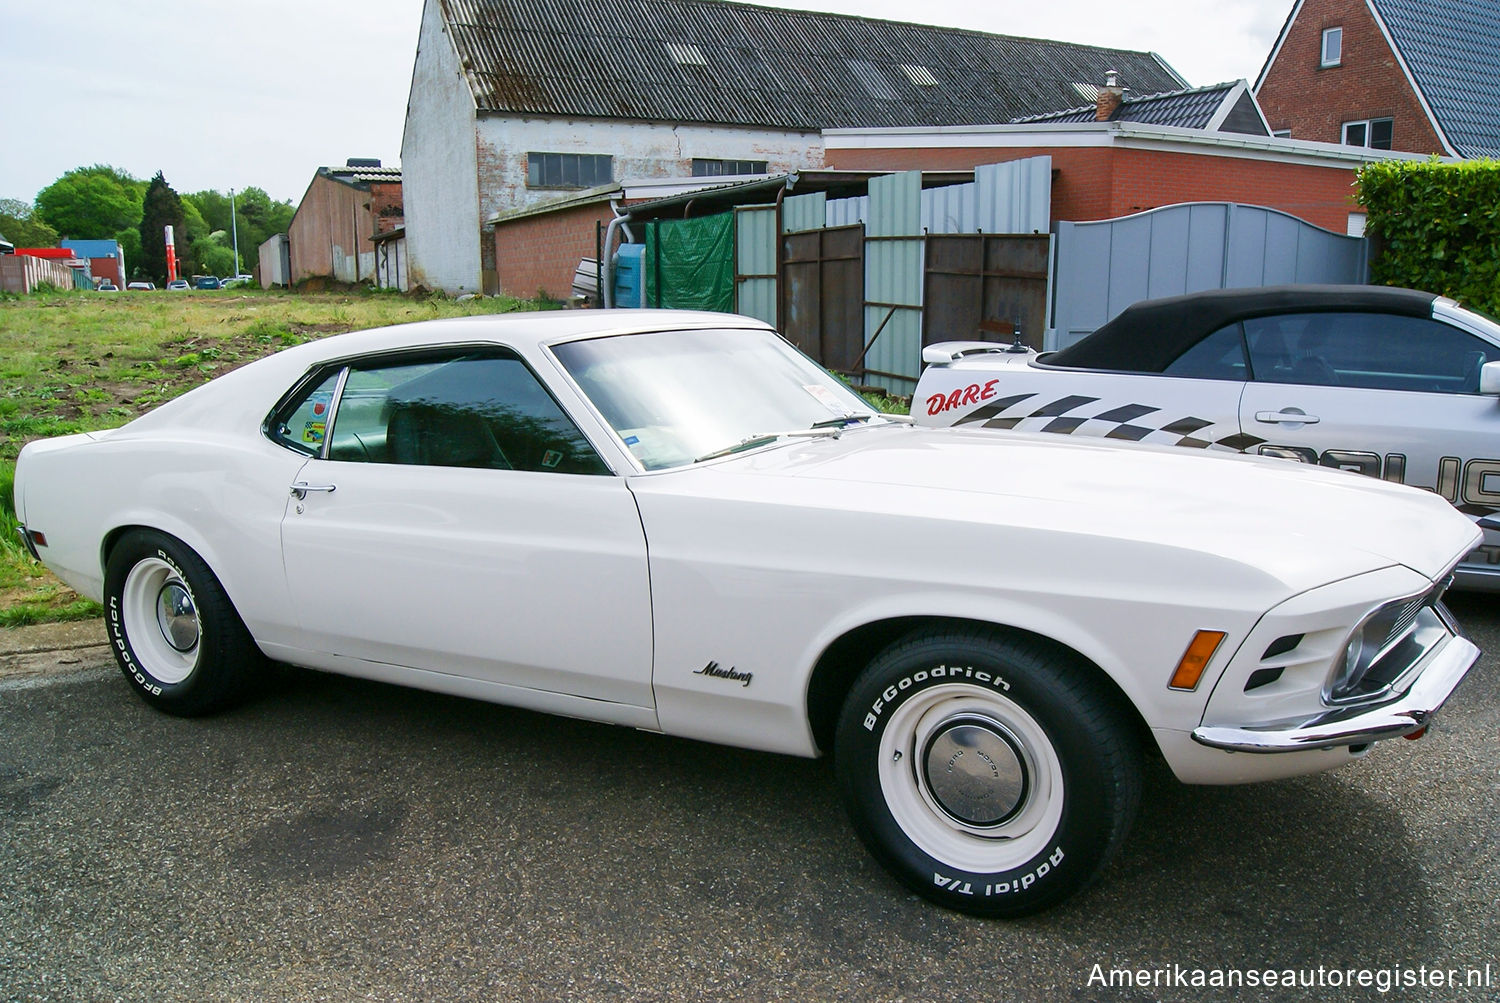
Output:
x,y
1194,401
454,519
1386,395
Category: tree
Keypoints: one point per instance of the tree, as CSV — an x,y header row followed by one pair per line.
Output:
x,y
161,208
20,225
90,203
130,246
256,217
212,258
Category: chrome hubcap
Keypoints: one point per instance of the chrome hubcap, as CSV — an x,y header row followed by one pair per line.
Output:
x,y
975,772
176,616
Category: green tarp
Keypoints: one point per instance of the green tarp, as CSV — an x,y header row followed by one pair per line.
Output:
x,y
689,263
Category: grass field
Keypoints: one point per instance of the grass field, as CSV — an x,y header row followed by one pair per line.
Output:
x,y
76,362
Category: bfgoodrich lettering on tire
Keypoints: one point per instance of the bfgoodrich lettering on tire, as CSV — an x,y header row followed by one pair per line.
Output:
x,y
989,773
172,628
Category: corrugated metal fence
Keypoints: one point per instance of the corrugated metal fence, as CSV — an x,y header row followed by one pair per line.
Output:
x,y
897,214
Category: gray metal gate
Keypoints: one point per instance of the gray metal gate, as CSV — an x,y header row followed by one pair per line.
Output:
x,y
1104,266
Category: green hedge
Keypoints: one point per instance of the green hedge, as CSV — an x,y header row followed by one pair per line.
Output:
x,y
1436,227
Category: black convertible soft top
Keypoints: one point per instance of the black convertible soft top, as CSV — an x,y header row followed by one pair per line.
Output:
x,y
1148,336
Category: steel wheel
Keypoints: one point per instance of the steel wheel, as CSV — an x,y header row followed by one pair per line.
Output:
x,y
971,778
161,619
172,628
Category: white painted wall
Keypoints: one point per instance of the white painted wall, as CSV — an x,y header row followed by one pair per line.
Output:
x,y
272,255
439,167
640,149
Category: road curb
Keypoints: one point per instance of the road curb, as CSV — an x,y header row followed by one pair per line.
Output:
x,y
52,637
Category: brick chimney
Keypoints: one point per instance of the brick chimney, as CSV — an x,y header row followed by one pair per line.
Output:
x,y
1111,96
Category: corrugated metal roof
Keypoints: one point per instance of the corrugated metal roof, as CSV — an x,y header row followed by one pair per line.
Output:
x,y
1452,48
766,67
1189,109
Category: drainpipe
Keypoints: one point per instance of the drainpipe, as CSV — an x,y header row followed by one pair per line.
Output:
x,y
607,294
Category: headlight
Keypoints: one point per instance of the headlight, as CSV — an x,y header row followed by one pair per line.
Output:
x,y
1387,644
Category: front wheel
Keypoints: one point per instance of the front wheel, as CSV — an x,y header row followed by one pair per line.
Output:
x,y
988,773
172,628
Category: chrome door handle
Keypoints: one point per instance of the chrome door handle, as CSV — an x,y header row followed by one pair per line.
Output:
x,y
301,489
1286,417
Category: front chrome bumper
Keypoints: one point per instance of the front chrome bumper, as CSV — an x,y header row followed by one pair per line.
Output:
x,y
1343,726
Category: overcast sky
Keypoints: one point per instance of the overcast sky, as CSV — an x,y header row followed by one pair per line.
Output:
x,y
219,95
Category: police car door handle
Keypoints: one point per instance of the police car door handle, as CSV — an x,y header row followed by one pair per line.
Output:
x,y
301,489
1286,417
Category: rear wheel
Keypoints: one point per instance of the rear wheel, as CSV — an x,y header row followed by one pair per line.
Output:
x,y
172,628
987,773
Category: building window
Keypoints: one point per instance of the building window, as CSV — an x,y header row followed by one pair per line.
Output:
x,y
1374,133
1333,47
719,168
569,170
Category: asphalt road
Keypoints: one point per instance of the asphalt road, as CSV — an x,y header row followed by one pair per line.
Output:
x,y
341,840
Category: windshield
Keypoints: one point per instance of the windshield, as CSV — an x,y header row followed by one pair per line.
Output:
x,y
676,396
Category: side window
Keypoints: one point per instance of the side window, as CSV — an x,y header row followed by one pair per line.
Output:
x,y
480,409
301,424
1220,356
1370,350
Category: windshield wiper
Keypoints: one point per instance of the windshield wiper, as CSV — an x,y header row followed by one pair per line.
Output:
x,y
841,421
829,427
749,442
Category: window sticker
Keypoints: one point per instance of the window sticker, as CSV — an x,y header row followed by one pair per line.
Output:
x,y
312,432
826,397
551,458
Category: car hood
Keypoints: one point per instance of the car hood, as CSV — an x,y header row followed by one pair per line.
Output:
x,y
1302,526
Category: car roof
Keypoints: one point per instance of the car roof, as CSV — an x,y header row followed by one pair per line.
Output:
x,y
1148,336
521,330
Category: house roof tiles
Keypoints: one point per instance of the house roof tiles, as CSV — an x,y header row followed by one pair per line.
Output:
x,y
1195,108
1451,48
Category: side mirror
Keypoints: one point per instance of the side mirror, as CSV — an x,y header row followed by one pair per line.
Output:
x,y
1489,379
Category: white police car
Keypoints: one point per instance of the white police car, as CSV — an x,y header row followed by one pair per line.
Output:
x,y
1393,383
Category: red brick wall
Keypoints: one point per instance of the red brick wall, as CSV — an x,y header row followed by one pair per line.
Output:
x,y
539,253
1314,101
385,205
1103,183
1145,179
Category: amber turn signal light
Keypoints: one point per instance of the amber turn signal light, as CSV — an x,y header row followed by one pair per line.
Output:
x,y
1195,659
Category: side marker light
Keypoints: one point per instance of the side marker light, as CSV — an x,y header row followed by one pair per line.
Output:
x,y
1195,659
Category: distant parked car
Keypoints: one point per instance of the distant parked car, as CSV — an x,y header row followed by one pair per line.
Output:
x,y
177,285
230,281
108,287
207,282
141,286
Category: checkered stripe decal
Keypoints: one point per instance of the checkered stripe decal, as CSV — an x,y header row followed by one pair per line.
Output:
x,y
1122,422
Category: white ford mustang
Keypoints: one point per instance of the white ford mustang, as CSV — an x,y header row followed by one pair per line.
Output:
x,y
676,522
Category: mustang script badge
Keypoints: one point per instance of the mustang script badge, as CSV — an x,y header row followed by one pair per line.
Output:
x,y
713,669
